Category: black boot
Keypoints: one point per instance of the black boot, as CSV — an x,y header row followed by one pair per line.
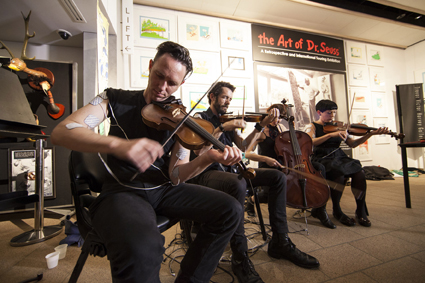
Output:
x,y
323,216
244,270
282,247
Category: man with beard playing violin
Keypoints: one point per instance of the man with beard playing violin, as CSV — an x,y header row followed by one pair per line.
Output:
x,y
146,180
223,178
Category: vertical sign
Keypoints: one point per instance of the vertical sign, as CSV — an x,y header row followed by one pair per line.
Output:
x,y
127,27
410,103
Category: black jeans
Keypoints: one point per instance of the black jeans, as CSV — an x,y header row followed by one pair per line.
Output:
x,y
125,220
232,185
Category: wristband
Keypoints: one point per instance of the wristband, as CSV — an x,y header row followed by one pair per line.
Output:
x,y
258,127
221,128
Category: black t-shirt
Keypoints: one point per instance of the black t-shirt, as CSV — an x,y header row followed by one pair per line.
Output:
x,y
226,138
125,108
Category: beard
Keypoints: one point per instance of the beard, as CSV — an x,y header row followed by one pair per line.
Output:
x,y
221,109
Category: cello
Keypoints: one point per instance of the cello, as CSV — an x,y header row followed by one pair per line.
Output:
x,y
294,149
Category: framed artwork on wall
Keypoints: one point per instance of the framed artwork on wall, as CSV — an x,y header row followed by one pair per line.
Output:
x,y
206,67
362,152
377,78
236,63
191,95
22,171
244,91
139,66
379,104
380,123
374,55
152,26
358,75
359,97
355,52
235,35
198,33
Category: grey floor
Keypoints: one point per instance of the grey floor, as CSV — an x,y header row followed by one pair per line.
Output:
x,y
392,250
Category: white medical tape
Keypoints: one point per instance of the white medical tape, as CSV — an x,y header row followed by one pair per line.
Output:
x,y
71,126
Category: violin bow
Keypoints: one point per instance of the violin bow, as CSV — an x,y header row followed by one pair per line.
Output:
x,y
194,107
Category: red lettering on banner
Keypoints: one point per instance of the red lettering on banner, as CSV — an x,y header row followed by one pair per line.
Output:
x,y
265,40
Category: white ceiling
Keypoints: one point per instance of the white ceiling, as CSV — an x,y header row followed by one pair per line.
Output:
x,y
49,15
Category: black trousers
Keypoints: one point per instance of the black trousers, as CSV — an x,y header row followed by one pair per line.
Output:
x,y
125,219
232,185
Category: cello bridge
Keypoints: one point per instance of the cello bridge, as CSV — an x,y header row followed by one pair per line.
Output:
x,y
299,166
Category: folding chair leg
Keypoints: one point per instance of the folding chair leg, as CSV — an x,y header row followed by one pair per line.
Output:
x,y
80,264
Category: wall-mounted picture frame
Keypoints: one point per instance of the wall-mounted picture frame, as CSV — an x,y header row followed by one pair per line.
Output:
x,y
355,52
243,96
139,66
206,67
374,55
191,95
377,78
198,33
359,97
236,63
379,104
152,26
363,152
358,75
235,35
22,171
381,123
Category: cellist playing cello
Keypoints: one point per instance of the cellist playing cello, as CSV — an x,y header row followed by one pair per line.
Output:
x,y
338,165
268,158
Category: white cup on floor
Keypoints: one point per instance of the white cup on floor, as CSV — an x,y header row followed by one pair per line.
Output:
x,y
52,260
62,250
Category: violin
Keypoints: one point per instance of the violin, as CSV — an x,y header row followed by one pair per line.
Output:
x,y
306,187
194,133
355,129
248,117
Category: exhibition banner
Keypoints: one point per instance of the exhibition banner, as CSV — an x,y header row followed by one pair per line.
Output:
x,y
410,103
278,45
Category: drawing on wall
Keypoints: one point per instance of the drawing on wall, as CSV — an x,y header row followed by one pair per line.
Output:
x,y
153,26
360,98
374,55
236,63
363,151
356,52
235,35
242,94
299,87
22,172
206,67
379,104
198,33
191,94
381,123
377,78
139,64
358,75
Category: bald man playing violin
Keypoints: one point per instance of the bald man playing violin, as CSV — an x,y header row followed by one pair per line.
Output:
x,y
225,178
147,178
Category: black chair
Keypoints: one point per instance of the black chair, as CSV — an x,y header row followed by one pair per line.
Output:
x,y
87,173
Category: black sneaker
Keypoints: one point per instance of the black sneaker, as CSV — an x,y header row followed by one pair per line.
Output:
x,y
245,272
249,208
